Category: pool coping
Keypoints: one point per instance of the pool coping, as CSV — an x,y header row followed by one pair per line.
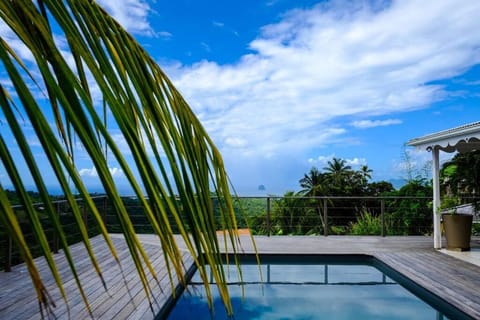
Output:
x,y
428,296
453,280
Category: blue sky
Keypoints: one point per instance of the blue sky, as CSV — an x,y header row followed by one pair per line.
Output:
x,y
282,86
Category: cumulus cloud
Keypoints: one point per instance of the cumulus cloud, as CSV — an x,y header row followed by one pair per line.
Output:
x,y
356,162
131,14
88,172
13,41
330,61
322,161
92,172
116,172
364,124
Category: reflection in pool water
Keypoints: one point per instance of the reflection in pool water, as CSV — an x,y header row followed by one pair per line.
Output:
x,y
299,289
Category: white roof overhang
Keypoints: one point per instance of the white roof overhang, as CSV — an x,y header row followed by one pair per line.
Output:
x,y
462,139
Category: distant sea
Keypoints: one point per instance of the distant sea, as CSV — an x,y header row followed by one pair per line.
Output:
x,y
56,190
245,192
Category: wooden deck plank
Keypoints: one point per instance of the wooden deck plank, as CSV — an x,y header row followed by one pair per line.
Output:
x,y
19,302
87,276
22,285
129,299
455,281
141,305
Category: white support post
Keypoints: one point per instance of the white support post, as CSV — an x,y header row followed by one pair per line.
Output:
x,y
437,232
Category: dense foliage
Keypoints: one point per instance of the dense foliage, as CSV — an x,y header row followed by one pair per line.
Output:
x,y
461,175
411,211
345,201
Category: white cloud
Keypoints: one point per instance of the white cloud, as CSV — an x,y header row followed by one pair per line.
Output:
x,y
330,61
322,161
92,172
356,162
218,24
236,142
116,172
271,3
33,141
131,14
88,172
164,34
14,42
363,124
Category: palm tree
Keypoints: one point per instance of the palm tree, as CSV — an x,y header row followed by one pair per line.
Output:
x,y
365,171
312,183
315,184
337,171
68,51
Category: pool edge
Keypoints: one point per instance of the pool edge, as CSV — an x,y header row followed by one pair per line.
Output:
x,y
430,297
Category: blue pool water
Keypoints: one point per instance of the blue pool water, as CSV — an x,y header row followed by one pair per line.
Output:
x,y
313,288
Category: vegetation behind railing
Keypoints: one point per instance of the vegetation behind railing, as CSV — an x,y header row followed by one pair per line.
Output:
x,y
9,254
342,215
380,216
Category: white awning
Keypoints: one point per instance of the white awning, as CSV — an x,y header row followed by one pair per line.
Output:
x,y
462,139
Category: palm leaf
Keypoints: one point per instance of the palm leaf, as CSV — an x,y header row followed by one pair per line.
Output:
x,y
172,154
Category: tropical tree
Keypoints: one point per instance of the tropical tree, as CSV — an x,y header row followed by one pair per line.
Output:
x,y
71,62
337,169
315,184
293,214
338,175
462,174
312,183
378,188
411,211
365,171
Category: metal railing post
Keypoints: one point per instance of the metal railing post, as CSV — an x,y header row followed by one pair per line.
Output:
x,y
382,210
55,233
8,254
104,211
325,217
268,216
84,215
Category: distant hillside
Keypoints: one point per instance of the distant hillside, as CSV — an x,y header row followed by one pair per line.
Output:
x,y
398,183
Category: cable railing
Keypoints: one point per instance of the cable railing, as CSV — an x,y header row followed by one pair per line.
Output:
x,y
9,254
338,215
268,216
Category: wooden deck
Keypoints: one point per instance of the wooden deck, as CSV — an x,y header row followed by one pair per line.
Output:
x,y
455,281
18,299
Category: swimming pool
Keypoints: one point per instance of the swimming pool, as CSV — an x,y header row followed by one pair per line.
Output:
x,y
315,287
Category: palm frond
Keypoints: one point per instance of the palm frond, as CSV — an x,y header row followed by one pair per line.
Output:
x,y
169,152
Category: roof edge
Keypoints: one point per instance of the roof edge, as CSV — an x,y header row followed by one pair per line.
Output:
x,y
464,131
